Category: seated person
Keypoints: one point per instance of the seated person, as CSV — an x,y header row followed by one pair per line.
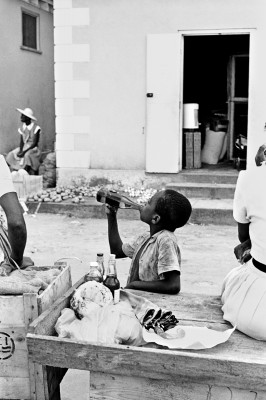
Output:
x,y
13,239
244,287
27,155
156,258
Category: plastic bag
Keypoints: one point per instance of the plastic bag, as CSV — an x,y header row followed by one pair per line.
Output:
x,y
108,324
94,318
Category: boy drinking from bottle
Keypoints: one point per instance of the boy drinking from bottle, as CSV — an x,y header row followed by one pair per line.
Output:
x,y
156,258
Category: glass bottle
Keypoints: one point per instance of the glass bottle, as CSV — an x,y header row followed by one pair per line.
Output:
x,y
111,281
115,199
94,273
100,261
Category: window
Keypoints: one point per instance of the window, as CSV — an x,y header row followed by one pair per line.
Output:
x,y
30,31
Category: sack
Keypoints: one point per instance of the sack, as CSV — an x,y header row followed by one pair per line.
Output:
x,y
213,146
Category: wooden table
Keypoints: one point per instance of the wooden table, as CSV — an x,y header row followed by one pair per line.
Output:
x,y
234,370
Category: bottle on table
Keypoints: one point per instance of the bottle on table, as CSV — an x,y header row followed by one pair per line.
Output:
x,y
115,199
100,261
94,273
111,281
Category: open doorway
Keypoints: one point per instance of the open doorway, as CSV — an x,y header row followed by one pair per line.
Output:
x,y
216,75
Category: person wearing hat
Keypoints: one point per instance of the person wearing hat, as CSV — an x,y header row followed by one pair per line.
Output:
x,y
27,155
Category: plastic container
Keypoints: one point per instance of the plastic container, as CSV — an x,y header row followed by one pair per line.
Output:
x,y
190,116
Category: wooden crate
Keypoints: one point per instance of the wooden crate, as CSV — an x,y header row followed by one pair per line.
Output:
x,y
27,185
19,377
235,369
192,149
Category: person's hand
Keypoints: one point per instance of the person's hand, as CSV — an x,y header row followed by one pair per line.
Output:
x,y
110,210
242,252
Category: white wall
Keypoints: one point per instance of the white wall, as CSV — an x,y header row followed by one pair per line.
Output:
x,y
26,78
112,108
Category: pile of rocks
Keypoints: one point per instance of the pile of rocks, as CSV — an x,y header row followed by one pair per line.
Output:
x,y
48,170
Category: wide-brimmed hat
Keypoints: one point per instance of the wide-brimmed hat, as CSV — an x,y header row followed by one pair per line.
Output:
x,y
28,112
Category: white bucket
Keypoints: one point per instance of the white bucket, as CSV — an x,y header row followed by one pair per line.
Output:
x,y
190,116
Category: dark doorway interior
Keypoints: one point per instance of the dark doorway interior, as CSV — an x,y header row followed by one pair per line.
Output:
x,y
216,77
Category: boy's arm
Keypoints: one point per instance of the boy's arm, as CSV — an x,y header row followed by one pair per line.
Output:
x,y
169,285
115,241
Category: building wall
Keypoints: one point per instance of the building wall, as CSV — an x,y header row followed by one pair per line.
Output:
x,y
26,78
100,72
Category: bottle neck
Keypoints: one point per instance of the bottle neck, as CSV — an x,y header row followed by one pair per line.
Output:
x,y
112,268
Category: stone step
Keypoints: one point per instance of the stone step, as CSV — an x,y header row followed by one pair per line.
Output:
x,y
201,176
204,190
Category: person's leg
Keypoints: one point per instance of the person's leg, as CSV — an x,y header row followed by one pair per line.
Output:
x,y
27,168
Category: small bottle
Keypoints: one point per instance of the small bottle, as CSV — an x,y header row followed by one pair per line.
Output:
x,y
115,199
100,261
94,273
111,281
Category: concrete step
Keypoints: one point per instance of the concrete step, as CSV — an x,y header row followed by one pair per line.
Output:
x,y
204,190
205,211
201,176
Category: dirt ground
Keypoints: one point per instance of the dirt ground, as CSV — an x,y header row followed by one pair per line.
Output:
x,y
207,256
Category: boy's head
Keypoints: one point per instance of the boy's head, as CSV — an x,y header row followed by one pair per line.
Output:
x,y
260,157
167,208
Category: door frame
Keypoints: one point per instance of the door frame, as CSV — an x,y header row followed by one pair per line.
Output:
x,y
210,32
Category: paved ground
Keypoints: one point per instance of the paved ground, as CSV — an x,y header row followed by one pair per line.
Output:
x,y
207,255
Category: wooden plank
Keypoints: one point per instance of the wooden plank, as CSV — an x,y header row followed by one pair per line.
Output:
x,y
197,150
44,324
110,387
12,311
14,388
189,150
55,290
200,366
17,363
188,306
31,313
238,363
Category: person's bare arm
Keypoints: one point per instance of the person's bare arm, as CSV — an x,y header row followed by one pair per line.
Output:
x,y
242,250
21,144
115,241
169,285
243,232
17,232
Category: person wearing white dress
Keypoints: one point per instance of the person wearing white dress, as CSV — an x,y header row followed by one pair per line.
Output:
x,y
244,287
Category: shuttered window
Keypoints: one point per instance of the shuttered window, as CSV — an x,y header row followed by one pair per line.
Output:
x,y
30,30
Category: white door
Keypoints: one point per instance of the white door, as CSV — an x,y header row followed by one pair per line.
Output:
x,y
163,140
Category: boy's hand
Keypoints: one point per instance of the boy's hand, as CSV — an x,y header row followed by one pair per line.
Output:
x,y
110,210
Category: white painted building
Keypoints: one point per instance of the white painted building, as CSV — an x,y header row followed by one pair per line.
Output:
x,y
124,69
26,69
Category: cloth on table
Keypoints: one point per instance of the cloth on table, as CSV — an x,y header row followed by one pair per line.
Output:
x,y
94,317
30,280
133,321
